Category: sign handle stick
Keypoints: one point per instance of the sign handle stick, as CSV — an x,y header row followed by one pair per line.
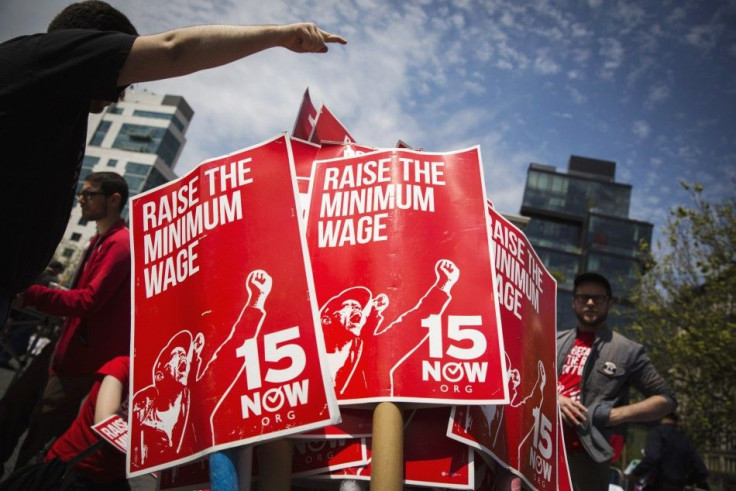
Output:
x,y
387,459
274,465
245,467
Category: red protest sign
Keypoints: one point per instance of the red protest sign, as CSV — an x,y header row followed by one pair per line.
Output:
x,y
523,434
225,350
318,456
356,423
305,119
114,429
400,250
305,153
329,128
430,458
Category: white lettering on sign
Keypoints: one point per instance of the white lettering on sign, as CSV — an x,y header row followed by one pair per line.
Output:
x,y
355,199
173,223
520,274
285,361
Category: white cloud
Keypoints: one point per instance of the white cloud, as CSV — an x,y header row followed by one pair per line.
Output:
x,y
641,129
703,37
612,52
658,93
577,96
474,87
545,65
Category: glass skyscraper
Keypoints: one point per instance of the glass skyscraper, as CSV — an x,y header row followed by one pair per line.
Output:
x,y
140,137
579,221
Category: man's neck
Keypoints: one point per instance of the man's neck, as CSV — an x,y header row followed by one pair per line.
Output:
x,y
598,328
105,224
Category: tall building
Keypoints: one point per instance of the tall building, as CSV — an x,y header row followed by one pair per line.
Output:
x,y
140,137
579,221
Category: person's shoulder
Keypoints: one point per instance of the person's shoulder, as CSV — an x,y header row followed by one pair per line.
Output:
x,y
120,236
118,367
21,40
622,340
565,332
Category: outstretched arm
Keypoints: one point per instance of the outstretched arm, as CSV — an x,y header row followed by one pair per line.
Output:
x,y
190,49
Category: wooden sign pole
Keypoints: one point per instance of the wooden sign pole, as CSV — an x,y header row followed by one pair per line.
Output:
x,y
274,469
387,454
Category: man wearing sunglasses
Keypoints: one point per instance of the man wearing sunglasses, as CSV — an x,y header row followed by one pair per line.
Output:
x,y
596,367
97,311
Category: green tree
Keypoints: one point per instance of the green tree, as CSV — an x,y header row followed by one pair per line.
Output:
x,y
685,313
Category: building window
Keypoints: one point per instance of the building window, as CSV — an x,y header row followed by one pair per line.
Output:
x,y
89,162
114,109
68,252
167,116
112,162
76,236
148,139
136,169
155,179
135,183
100,133
82,222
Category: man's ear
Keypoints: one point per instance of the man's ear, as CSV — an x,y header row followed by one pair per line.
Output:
x,y
115,200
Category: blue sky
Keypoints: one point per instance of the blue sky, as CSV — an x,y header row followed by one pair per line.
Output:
x,y
650,85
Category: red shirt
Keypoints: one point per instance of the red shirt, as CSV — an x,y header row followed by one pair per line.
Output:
x,y
97,307
107,463
568,383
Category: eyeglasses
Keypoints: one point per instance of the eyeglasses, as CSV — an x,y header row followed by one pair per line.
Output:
x,y
85,195
597,299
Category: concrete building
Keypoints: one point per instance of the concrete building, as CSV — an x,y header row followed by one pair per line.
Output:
x,y
579,221
140,138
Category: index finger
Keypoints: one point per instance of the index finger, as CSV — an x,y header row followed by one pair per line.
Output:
x,y
332,38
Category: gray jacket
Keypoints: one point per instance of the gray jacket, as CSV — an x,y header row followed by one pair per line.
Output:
x,y
615,363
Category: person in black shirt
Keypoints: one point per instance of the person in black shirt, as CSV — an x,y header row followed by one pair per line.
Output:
x,y
670,459
50,82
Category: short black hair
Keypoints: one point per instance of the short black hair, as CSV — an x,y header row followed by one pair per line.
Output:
x,y
110,183
592,277
92,14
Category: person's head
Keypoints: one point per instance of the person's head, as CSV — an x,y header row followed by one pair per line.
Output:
x,y
591,300
345,313
174,361
92,14
103,195
97,16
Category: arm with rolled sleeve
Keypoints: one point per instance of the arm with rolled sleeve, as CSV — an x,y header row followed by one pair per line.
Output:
x,y
105,278
659,398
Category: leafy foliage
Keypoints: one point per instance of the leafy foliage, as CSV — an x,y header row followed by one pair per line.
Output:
x,y
685,312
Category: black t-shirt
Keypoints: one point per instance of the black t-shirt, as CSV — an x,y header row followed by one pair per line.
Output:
x,y
46,84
